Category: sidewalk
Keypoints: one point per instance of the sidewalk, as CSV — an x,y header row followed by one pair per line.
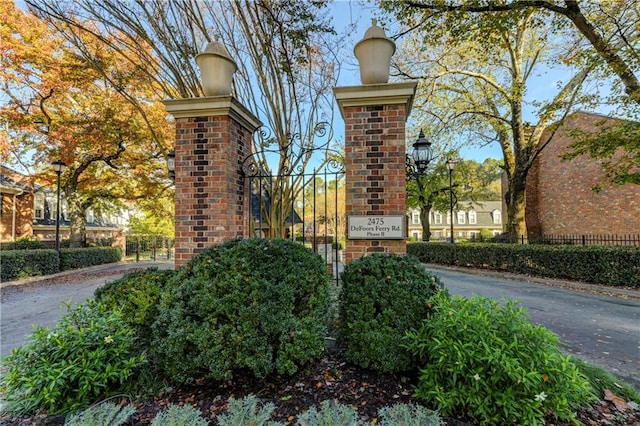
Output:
x,y
105,269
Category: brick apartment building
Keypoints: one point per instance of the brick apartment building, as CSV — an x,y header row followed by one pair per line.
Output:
x,y
29,211
560,199
16,205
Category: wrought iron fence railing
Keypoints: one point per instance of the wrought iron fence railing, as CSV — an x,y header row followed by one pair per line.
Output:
x,y
148,247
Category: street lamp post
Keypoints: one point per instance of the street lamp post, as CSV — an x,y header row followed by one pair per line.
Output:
x,y
58,167
417,164
451,163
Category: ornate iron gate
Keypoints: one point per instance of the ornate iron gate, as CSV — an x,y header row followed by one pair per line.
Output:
x,y
308,208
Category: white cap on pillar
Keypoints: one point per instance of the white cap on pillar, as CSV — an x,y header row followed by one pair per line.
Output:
x,y
374,54
216,68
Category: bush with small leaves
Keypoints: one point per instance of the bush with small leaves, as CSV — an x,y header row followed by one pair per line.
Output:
x,y
137,295
484,361
331,413
103,414
409,415
247,411
176,415
89,354
382,297
256,304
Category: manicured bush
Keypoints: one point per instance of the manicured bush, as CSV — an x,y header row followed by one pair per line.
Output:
x,y
24,244
27,263
89,354
484,361
255,304
382,297
137,295
88,256
607,265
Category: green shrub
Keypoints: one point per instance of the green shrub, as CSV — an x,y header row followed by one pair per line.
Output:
x,y
602,380
331,413
176,415
382,297
88,256
255,304
26,263
103,414
247,411
607,265
137,294
409,415
87,355
25,243
486,362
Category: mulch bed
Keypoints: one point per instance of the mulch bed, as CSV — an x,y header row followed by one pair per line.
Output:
x,y
332,378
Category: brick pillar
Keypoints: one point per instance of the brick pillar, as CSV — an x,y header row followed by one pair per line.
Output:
x,y
375,147
213,137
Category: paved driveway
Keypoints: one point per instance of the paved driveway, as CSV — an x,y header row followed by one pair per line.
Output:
x,y
39,301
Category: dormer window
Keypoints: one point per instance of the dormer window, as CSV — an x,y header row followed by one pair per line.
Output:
x,y
462,219
473,218
497,217
38,205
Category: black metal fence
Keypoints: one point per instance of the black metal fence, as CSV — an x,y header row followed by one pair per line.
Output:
x,y
148,247
588,239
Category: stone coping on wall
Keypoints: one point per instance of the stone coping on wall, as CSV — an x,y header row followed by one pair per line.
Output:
x,y
376,94
213,106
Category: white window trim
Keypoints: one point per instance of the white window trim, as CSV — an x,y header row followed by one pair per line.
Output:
x,y
461,218
38,201
473,217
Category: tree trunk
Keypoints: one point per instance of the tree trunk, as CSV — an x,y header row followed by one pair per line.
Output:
x,y
77,222
424,219
515,200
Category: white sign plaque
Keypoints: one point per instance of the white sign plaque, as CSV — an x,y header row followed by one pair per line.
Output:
x,y
375,227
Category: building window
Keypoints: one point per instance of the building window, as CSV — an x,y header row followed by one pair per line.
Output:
x,y
90,216
38,205
448,218
415,218
461,218
437,218
497,217
416,236
473,218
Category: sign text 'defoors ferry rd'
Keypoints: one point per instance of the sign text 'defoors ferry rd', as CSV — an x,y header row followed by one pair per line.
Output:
x,y
375,227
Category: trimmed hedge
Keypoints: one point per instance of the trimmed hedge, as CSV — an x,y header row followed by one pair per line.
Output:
x,y
26,263
83,257
606,265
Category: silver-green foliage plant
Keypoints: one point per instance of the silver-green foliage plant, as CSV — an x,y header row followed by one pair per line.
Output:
x,y
331,413
104,414
87,356
409,415
185,415
247,411
487,362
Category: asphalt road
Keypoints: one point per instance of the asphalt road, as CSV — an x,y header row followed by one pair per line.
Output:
x,y
603,330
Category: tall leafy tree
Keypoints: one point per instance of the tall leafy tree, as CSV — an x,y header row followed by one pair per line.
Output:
x,y
60,108
604,34
480,68
284,50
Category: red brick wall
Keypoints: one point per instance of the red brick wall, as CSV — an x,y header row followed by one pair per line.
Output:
x,y
560,198
375,170
210,194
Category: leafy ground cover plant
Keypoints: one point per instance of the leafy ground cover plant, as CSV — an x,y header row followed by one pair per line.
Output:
x,y
330,413
409,415
382,297
254,304
247,411
86,356
488,363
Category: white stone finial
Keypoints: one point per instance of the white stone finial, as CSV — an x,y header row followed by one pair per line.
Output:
x,y
374,53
